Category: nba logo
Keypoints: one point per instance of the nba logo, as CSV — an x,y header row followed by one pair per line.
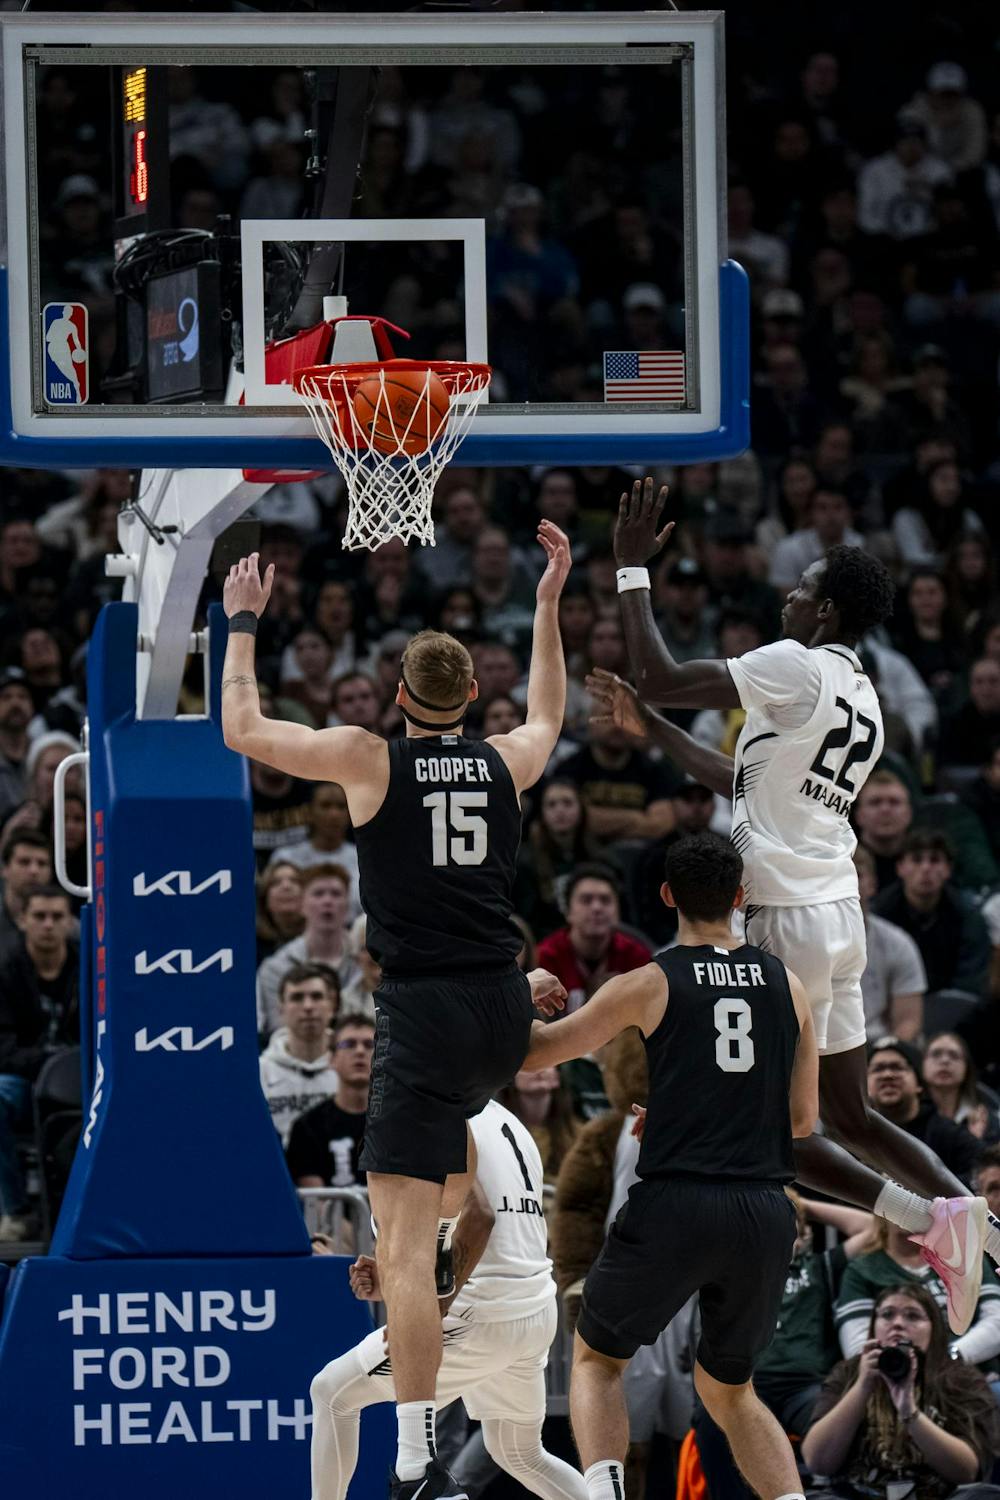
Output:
x,y
67,361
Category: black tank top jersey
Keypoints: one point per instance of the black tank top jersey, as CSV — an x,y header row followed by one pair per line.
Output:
x,y
720,1066
437,860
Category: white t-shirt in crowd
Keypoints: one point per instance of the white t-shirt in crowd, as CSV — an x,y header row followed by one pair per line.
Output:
x,y
514,1277
813,733
894,968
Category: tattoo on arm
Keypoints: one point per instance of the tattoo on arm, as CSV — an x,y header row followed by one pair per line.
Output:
x,y
241,680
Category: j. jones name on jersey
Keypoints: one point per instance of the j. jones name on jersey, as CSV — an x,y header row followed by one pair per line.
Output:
x,y
521,1206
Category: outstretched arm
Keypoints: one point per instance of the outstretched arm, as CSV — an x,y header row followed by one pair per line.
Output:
x,y
659,678
346,755
618,703
526,750
635,999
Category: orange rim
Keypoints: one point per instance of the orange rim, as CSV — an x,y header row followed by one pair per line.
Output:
x,y
449,371
338,383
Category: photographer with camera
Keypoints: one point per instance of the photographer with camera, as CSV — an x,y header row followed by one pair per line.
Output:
x,y
902,1419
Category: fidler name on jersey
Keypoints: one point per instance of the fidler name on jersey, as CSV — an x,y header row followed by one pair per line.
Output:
x,y
738,975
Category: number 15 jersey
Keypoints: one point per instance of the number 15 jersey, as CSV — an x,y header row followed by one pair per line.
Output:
x,y
437,860
813,733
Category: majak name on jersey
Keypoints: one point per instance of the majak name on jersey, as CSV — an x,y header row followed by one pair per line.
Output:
x,y
829,796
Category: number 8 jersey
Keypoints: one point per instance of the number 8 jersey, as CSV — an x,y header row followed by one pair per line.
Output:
x,y
437,860
720,1068
813,733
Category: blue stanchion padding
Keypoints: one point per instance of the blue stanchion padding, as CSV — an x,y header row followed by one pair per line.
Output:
x,y
174,1380
178,1155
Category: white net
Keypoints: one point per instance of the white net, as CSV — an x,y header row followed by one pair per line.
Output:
x,y
391,428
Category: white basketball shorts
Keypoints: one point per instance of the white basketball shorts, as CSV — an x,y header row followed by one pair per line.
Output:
x,y
825,946
497,1368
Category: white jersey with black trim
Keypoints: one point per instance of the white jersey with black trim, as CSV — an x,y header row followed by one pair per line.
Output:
x,y
812,735
514,1277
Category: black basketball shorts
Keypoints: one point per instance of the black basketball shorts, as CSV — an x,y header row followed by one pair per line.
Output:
x,y
443,1046
729,1242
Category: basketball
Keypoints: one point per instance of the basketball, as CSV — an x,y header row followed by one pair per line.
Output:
x,y
78,356
408,416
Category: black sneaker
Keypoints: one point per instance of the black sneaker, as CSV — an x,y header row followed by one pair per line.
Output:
x,y
435,1482
444,1271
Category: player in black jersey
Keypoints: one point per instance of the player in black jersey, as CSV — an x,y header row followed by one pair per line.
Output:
x,y
437,821
733,1076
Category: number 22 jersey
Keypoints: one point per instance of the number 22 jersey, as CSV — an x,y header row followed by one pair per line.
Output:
x,y
437,860
813,733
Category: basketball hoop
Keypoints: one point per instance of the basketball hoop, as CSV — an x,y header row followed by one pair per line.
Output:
x,y
391,428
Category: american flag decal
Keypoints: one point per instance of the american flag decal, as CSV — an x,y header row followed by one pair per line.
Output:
x,y
644,375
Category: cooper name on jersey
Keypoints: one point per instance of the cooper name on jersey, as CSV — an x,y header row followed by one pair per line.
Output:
x,y
451,768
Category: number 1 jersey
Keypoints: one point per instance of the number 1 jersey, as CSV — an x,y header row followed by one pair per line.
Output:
x,y
436,862
813,733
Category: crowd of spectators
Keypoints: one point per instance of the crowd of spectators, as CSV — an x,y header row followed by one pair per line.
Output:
x,y
868,218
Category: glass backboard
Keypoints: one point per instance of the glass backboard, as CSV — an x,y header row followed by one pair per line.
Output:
x,y
544,193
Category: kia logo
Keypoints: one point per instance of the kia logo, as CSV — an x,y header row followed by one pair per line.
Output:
x,y
165,885
181,961
181,1039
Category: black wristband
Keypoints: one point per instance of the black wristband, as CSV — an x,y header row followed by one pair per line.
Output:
x,y
243,622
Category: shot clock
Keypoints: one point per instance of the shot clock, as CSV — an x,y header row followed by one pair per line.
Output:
x,y
136,124
142,186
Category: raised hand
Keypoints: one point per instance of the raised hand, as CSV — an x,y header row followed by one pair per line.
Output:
x,y
560,560
243,589
616,702
636,536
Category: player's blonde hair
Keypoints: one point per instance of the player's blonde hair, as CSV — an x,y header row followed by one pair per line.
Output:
x,y
438,669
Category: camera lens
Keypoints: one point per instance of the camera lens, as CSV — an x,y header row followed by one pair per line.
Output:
x,y
894,1362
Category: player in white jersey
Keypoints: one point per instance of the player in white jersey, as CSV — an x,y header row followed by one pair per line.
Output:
x,y
813,732
497,1332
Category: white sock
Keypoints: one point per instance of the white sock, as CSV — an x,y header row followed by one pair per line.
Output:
x,y
416,1438
605,1480
992,1241
793,1495
900,1206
